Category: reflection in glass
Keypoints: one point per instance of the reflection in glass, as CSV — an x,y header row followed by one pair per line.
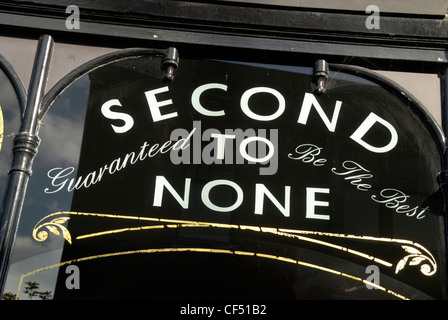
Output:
x,y
61,133
10,114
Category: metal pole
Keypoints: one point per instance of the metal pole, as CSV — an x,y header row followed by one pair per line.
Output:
x,y
445,113
444,182
26,143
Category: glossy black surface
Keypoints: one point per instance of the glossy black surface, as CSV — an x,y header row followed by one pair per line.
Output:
x,y
128,246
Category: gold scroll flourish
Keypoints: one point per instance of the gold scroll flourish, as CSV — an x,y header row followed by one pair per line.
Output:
x,y
211,251
414,253
55,226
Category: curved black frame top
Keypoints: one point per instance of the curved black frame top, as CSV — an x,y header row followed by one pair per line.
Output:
x,y
16,82
71,77
419,108
402,93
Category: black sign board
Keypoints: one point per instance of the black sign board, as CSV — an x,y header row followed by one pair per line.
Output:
x,y
239,181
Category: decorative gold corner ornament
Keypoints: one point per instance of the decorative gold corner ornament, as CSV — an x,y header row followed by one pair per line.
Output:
x,y
55,226
414,258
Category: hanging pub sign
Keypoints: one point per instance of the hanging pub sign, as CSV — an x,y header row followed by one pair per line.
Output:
x,y
238,180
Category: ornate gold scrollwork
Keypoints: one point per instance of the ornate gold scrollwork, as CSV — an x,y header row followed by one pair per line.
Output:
x,y
415,258
416,253
55,226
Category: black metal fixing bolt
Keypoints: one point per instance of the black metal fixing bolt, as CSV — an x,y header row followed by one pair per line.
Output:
x,y
321,71
170,62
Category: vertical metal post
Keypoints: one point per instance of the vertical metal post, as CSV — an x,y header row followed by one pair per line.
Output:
x,y
25,148
444,90
444,182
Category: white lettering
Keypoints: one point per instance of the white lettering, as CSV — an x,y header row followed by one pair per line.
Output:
x,y
128,120
154,105
352,167
209,186
249,93
246,156
196,97
309,101
395,199
371,119
311,203
308,153
221,141
61,174
192,310
261,191
162,183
